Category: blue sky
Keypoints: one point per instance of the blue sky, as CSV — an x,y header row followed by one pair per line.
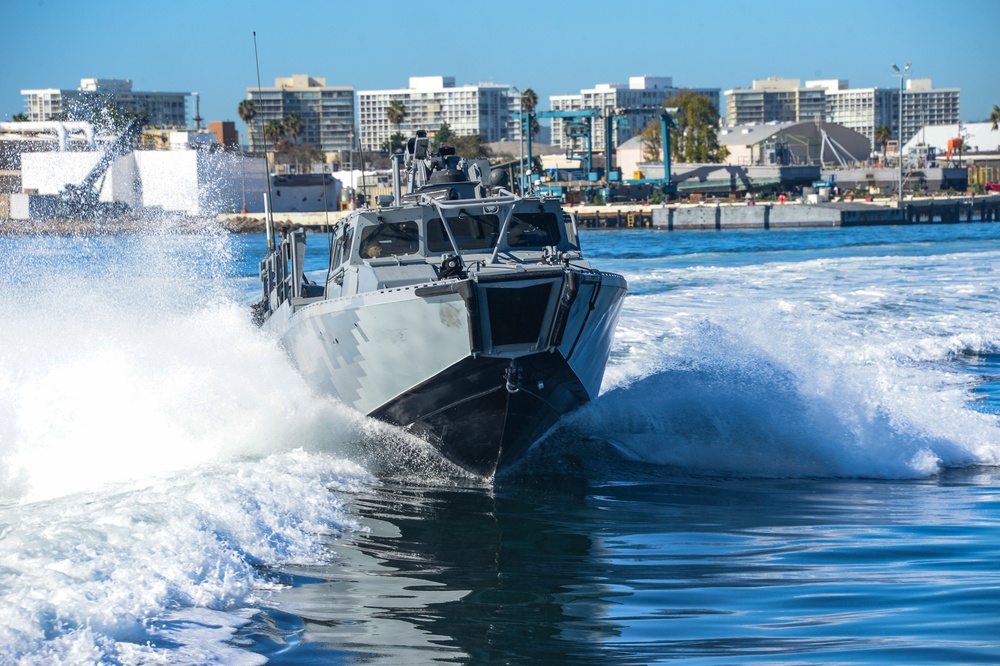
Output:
x,y
554,48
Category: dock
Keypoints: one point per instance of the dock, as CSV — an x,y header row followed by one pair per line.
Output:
x,y
771,215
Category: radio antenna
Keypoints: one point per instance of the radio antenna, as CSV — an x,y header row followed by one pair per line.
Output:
x,y
268,220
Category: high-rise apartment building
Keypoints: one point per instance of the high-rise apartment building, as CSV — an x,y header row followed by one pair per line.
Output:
x,y
486,109
866,109
775,100
641,92
327,112
163,109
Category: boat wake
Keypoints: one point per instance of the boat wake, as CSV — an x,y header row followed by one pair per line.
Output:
x,y
719,401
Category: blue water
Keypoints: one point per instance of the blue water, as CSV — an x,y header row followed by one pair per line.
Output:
x,y
795,459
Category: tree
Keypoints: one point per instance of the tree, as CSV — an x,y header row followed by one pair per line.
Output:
x,y
394,143
273,131
396,113
293,125
695,137
23,118
529,101
247,112
651,140
995,118
443,137
882,136
472,146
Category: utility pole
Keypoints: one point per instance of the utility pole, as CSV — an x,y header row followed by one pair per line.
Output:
x,y
899,130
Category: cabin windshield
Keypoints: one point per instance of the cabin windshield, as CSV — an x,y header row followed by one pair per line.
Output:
x,y
390,239
533,230
472,232
480,232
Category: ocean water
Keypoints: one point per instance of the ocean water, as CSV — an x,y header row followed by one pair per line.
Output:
x,y
795,459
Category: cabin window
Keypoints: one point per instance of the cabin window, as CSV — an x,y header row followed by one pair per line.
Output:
x,y
341,247
533,230
472,232
390,240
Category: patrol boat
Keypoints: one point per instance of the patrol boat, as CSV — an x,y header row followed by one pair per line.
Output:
x,y
457,310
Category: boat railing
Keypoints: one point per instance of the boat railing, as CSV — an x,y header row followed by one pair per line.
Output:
x,y
282,270
505,199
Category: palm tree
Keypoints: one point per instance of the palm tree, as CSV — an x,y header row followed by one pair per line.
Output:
x,y
396,113
273,130
247,112
882,136
995,117
529,101
293,125
23,118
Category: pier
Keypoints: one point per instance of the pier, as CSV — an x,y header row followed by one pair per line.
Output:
x,y
719,216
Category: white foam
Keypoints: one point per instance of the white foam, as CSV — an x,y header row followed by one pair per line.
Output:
x,y
829,367
156,573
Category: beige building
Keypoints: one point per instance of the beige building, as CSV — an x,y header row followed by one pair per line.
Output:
x,y
327,111
775,100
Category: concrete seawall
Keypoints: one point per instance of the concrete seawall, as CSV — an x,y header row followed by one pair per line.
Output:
x,y
780,216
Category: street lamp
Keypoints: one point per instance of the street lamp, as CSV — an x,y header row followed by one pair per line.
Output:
x,y
899,129
520,140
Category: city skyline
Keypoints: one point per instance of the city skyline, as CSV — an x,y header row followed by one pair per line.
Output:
x,y
209,49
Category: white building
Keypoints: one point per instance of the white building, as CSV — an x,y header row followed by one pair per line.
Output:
x,y
977,139
165,109
641,92
866,109
185,181
487,109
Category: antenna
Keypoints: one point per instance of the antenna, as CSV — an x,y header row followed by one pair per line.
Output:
x,y
197,111
268,220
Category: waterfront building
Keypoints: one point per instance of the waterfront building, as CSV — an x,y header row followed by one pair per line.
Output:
x,y
164,109
487,109
775,100
641,92
327,112
794,143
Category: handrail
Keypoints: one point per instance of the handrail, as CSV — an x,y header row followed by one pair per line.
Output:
x,y
462,203
502,234
424,199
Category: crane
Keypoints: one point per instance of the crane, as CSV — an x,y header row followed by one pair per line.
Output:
x,y
81,201
582,126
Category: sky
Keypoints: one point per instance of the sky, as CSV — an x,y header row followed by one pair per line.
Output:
x,y
555,48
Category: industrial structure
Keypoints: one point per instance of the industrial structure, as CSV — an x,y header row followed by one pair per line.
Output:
x,y
486,109
193,177
645,95
327,112
165,109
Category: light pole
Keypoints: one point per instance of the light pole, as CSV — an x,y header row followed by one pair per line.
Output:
x,y
520,140
899,129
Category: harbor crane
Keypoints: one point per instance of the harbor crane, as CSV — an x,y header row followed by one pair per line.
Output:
x,y
81,201
580,125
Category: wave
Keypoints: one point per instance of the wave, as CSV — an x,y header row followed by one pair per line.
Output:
x,y
167,571
776,389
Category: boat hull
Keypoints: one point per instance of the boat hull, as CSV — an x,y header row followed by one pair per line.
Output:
x,y
479,367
